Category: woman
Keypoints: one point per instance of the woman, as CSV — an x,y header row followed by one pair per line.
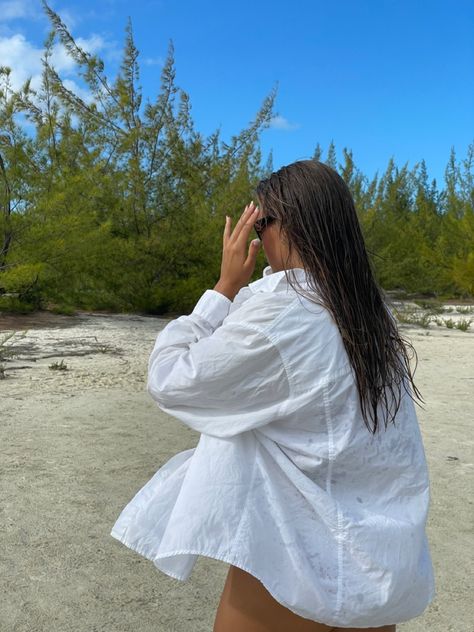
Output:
x,y
309,477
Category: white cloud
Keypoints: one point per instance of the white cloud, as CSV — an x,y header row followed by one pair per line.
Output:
x,y
14,9
24,59
82,93
153,61
69,19
280,122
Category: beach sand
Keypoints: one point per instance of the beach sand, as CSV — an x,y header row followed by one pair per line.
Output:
x,y
77,444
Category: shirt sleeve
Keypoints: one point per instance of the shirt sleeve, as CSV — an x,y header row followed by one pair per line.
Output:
x,y
218,379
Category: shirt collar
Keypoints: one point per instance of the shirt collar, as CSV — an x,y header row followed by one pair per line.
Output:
x,y
274,281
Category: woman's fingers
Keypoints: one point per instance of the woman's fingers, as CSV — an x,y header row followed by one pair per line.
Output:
x,y
227,229
242,228
245,223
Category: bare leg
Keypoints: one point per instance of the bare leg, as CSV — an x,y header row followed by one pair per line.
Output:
x,y
246,605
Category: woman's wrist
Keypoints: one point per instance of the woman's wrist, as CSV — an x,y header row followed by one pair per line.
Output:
x,y
225,290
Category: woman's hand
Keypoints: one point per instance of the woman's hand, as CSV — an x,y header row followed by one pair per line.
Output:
x,y
237,267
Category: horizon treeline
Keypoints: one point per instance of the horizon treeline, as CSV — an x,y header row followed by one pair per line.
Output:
x,y
116,203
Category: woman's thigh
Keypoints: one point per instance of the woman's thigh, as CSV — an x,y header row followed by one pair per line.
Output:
x,y
246,605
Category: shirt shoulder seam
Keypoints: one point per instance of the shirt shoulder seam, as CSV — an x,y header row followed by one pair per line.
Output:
x,y
266,334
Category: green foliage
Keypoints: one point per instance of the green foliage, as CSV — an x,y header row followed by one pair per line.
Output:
x,y
117,203
463,324
435,307
67,310
12,303
423,321
467,309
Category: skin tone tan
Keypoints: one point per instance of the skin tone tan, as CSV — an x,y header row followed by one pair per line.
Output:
x,y
245,604
238,260
276,249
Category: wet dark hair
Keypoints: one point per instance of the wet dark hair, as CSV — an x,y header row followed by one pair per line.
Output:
x,y
318,219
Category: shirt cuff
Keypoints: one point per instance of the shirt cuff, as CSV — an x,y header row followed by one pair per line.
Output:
x,y
213,306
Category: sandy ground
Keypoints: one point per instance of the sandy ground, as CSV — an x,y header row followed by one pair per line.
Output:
x,y
77,444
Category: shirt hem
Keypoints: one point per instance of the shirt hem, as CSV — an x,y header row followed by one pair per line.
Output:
x,y
227,558
233,560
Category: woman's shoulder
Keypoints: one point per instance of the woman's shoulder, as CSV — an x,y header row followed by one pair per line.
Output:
x,y
269,311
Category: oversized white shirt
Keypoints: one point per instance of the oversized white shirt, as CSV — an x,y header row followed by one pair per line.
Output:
x,y
286,481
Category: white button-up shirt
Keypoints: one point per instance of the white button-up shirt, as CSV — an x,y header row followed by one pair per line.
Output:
x,y
286,481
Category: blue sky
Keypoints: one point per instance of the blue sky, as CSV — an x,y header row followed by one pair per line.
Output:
x,y
383,77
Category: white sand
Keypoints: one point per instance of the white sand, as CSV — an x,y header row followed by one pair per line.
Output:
x,y
78,444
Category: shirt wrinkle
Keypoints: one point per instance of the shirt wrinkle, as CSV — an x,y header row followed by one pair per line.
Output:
x,y
285,481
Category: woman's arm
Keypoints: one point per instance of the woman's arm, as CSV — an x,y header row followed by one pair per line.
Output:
x,y
219,378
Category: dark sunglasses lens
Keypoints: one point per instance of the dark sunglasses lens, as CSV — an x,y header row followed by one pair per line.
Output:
x,y
262,223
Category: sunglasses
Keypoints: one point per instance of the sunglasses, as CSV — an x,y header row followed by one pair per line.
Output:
x,y
262,223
